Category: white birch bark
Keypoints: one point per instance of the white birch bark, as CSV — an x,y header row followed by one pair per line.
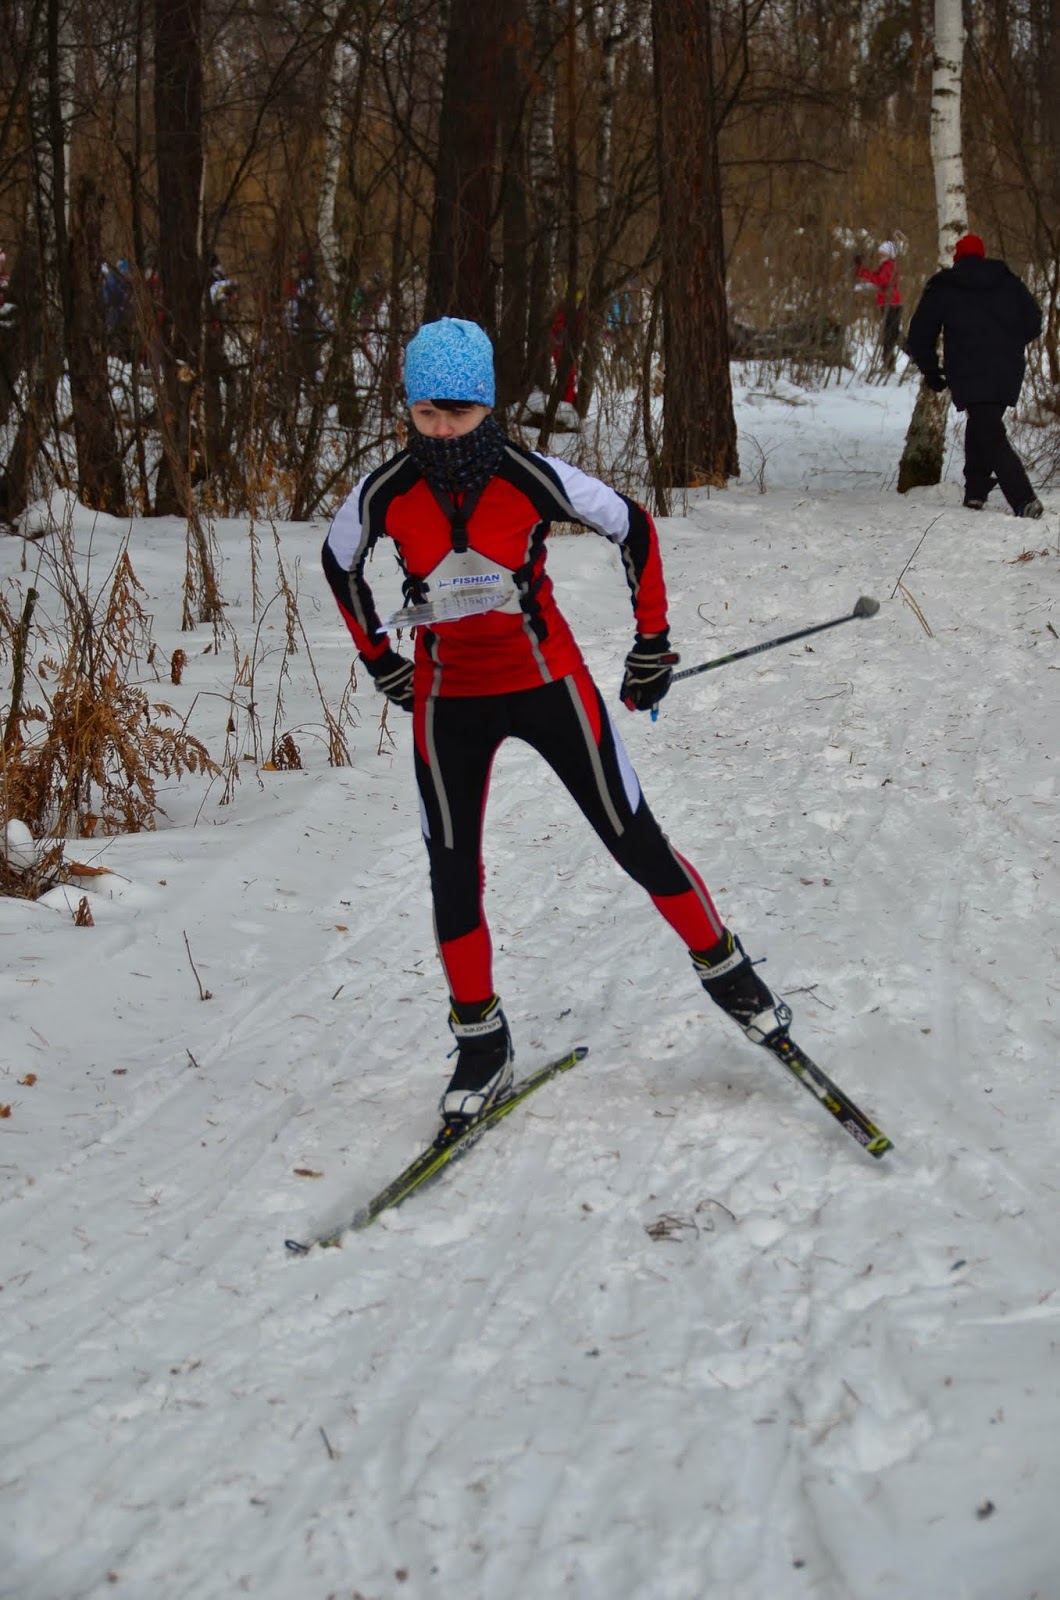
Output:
x,y
332,110
925,441
947,159
66,42
543,159
68,58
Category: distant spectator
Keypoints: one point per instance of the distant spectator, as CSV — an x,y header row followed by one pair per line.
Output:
x,y
117,307
621,313
566,412
151,353
221,292
888,297
368,302
987,317
308,321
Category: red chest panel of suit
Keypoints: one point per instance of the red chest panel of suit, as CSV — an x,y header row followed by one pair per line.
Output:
x,y
500,528
498,651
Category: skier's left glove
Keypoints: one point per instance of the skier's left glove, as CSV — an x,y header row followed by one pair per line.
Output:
x,y
393,675
649,669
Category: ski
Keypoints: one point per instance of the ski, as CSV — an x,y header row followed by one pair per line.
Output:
x,y
820,1085
451,1142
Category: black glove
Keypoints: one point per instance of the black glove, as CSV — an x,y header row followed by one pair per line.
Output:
x,y
649,669
392,674
936,381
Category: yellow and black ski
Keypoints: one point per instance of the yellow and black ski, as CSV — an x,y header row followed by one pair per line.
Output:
x,y
452,1141
830,1095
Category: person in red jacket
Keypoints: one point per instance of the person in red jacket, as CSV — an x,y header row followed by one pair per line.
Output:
x,y
888,297
469,512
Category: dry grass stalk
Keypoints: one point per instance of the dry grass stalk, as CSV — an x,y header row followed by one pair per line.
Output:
x,y
85,746
915,609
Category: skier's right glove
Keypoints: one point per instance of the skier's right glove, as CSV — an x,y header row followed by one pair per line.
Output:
x,y
649,669
392,673
936,381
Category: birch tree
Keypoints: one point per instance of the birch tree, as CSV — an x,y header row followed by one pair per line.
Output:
x,y
543,163
336,72
925,442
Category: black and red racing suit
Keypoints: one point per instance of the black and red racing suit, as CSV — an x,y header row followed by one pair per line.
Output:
x,y
514,672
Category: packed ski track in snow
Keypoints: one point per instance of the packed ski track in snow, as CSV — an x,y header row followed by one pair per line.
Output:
x,y
667,1333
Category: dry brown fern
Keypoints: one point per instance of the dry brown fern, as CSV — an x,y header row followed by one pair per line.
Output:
x,y
84,746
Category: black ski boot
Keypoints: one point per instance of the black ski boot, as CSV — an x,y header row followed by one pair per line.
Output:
x,y
727,975
484,1060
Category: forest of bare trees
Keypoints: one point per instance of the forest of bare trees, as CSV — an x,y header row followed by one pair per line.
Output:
x,y
625,190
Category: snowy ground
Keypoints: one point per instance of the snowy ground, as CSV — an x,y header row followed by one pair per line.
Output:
x,y
667,1334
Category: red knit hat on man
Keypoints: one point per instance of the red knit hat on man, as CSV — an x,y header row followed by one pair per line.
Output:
x,y
969,245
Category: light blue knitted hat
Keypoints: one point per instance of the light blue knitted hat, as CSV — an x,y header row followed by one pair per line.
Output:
x,y
450,360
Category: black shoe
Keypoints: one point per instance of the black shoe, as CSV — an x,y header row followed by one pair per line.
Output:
x,y
1033,508
727,975
484,1059
975,502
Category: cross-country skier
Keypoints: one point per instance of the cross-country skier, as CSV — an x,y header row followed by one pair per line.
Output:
x,y
468,509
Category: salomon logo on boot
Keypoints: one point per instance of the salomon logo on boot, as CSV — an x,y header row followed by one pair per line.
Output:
x,y
484,1059
727,975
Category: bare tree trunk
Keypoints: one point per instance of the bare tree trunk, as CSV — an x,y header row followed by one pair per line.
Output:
x,y
573,309
1047,55
40,272
699,426
543,196
59,142
459,276
99,474
513,377
178,139
925,440
610,17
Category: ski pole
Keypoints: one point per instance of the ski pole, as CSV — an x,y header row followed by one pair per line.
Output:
x,y
866,607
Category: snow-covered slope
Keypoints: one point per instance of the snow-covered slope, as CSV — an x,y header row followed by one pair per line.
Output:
x,y
666,1334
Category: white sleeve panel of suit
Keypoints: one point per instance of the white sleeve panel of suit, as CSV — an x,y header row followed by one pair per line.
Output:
x,y
347,535
592,502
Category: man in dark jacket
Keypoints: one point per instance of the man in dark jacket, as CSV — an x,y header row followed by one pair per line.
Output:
x,y
987,316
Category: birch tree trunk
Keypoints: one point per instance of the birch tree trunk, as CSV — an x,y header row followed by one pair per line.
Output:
x,y
332,108
947,150
925,441
544,166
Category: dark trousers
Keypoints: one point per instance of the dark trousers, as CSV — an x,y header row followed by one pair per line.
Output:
x,y
567,723
988,455
890,333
